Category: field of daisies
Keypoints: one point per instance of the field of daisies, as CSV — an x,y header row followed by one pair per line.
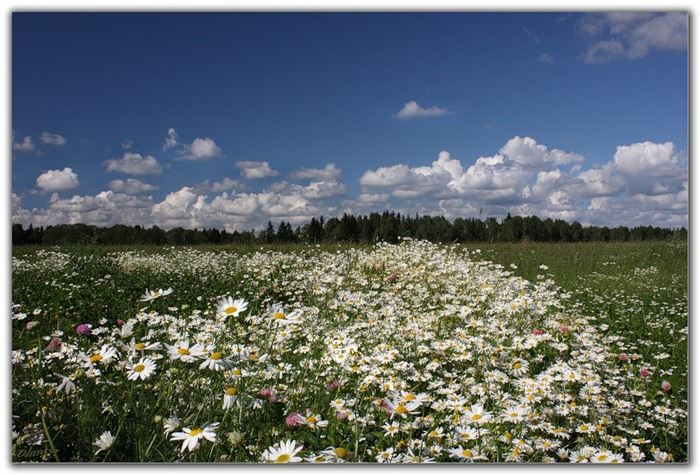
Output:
x,y
414,352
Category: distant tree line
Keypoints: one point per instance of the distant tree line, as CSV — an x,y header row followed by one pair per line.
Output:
x,y
387,226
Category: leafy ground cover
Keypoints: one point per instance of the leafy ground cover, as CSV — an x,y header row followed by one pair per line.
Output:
x,y
414,352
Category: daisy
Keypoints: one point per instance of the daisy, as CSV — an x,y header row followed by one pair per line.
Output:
x,y
227,307
66,383
465,433
314,421
170,424
601,456
216,361
278,315
183,352
142,346
513,414
400,408
105,356
476,414
126,330
519,368
284,452
143,369
152,295
190,437
104,442
466,455
231,398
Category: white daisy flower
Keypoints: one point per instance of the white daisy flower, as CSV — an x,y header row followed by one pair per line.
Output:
x,y
190,437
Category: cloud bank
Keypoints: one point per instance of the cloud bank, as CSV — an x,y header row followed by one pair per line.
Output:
x,y
641,183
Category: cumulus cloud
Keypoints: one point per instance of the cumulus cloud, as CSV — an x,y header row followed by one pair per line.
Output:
x,y
58,180
322,189
227,184
412,110
526,177
252,169
131,186
134,164
651,168
53,139
329,172
632,35
25,146
531,155
200,149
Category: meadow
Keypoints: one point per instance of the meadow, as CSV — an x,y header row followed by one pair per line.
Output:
x,y
415,352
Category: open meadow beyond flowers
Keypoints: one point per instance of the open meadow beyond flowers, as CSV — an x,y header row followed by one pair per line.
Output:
x,y
396,353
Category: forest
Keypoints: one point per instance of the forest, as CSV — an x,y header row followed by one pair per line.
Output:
x,y
364,229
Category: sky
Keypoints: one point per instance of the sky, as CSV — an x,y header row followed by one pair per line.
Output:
x,y
231,119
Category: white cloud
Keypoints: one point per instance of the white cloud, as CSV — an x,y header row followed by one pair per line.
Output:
x,y
227,184
546,58
131,186
171,140
26,146
252,169
528,153
134,164
651,168
58,180
200,149
632,35
322,189
597,182
53,139
412,110
372,198
327,173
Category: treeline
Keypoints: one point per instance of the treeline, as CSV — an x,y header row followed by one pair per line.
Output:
x,y
388,227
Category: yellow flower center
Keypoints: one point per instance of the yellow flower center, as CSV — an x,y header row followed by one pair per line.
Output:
x,y
196,431
401,409
476,417
311,420
467,453
410,397
183,351
230,310
517,366
139,367
278,316
284,458
140,346
601,458
95,358
237,372
340,452
232,391
216,355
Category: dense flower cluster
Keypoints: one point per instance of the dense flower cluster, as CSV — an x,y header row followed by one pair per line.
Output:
x,y
408,353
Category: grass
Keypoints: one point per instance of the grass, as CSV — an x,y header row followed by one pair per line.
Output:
x,y
367,330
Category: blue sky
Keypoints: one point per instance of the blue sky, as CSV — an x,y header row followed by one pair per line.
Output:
x,y
231,119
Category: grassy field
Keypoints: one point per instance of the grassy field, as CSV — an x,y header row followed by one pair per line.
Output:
x,y
415,352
